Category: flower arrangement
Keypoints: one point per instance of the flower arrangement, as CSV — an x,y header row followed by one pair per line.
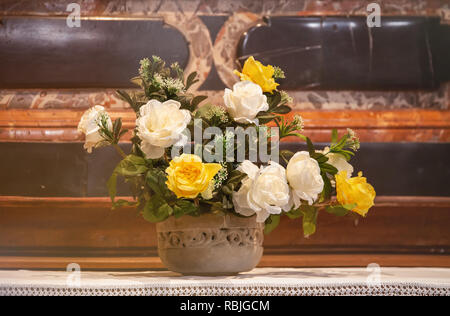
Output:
x,y
225,175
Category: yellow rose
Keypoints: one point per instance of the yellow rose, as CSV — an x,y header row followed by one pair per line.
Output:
x,y
258,73
187,175
355,190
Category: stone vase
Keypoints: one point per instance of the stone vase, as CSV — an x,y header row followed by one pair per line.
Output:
x,y
210,244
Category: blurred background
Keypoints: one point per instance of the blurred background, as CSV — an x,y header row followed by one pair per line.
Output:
x,y
388,82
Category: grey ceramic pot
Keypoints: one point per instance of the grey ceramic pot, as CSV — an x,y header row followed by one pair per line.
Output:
x,y
210,244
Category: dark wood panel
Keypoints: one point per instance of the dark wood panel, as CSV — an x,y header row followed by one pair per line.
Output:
x,y
88,227
66,170
43,52
342,53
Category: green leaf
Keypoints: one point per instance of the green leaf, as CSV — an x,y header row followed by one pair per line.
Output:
x,y
137,81
273,99
191,79
298,135
337,210
294,214
341,143
184,207
122,132
326,192
120,203
334,136
271,223
197,100
126,97
310,146
321,158
309,220
217,208
349,206
326,167
156,180
265,119
112,186
117,126
228,189
236,177
156,210
283,109
131,165
286,153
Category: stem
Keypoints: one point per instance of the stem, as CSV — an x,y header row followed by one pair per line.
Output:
x,y
119,150
323,204
284,158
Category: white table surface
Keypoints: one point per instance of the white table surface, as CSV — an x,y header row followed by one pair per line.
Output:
x,y
262,281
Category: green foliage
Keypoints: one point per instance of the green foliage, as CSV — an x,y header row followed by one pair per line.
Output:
x,y
191,79
309,214
121,203
282,109
234,180
273,99
277,105
309,220
290,128
271,223
286,155
322,159
236,177
346,145
184,207
134,102
278,73
337,210
111,184
340,210
156,180
130,166
265,117
110,135
295,213
156,209
214,115
196,101
327,188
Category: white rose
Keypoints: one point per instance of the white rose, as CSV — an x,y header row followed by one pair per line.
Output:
x,y
245,101
337,161
160,125
89,126
265,191
303,174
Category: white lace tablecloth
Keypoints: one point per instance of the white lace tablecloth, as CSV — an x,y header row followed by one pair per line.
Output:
x,y
263,281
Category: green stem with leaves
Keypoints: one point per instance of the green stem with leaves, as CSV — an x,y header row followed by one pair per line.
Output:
x,y
119,150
